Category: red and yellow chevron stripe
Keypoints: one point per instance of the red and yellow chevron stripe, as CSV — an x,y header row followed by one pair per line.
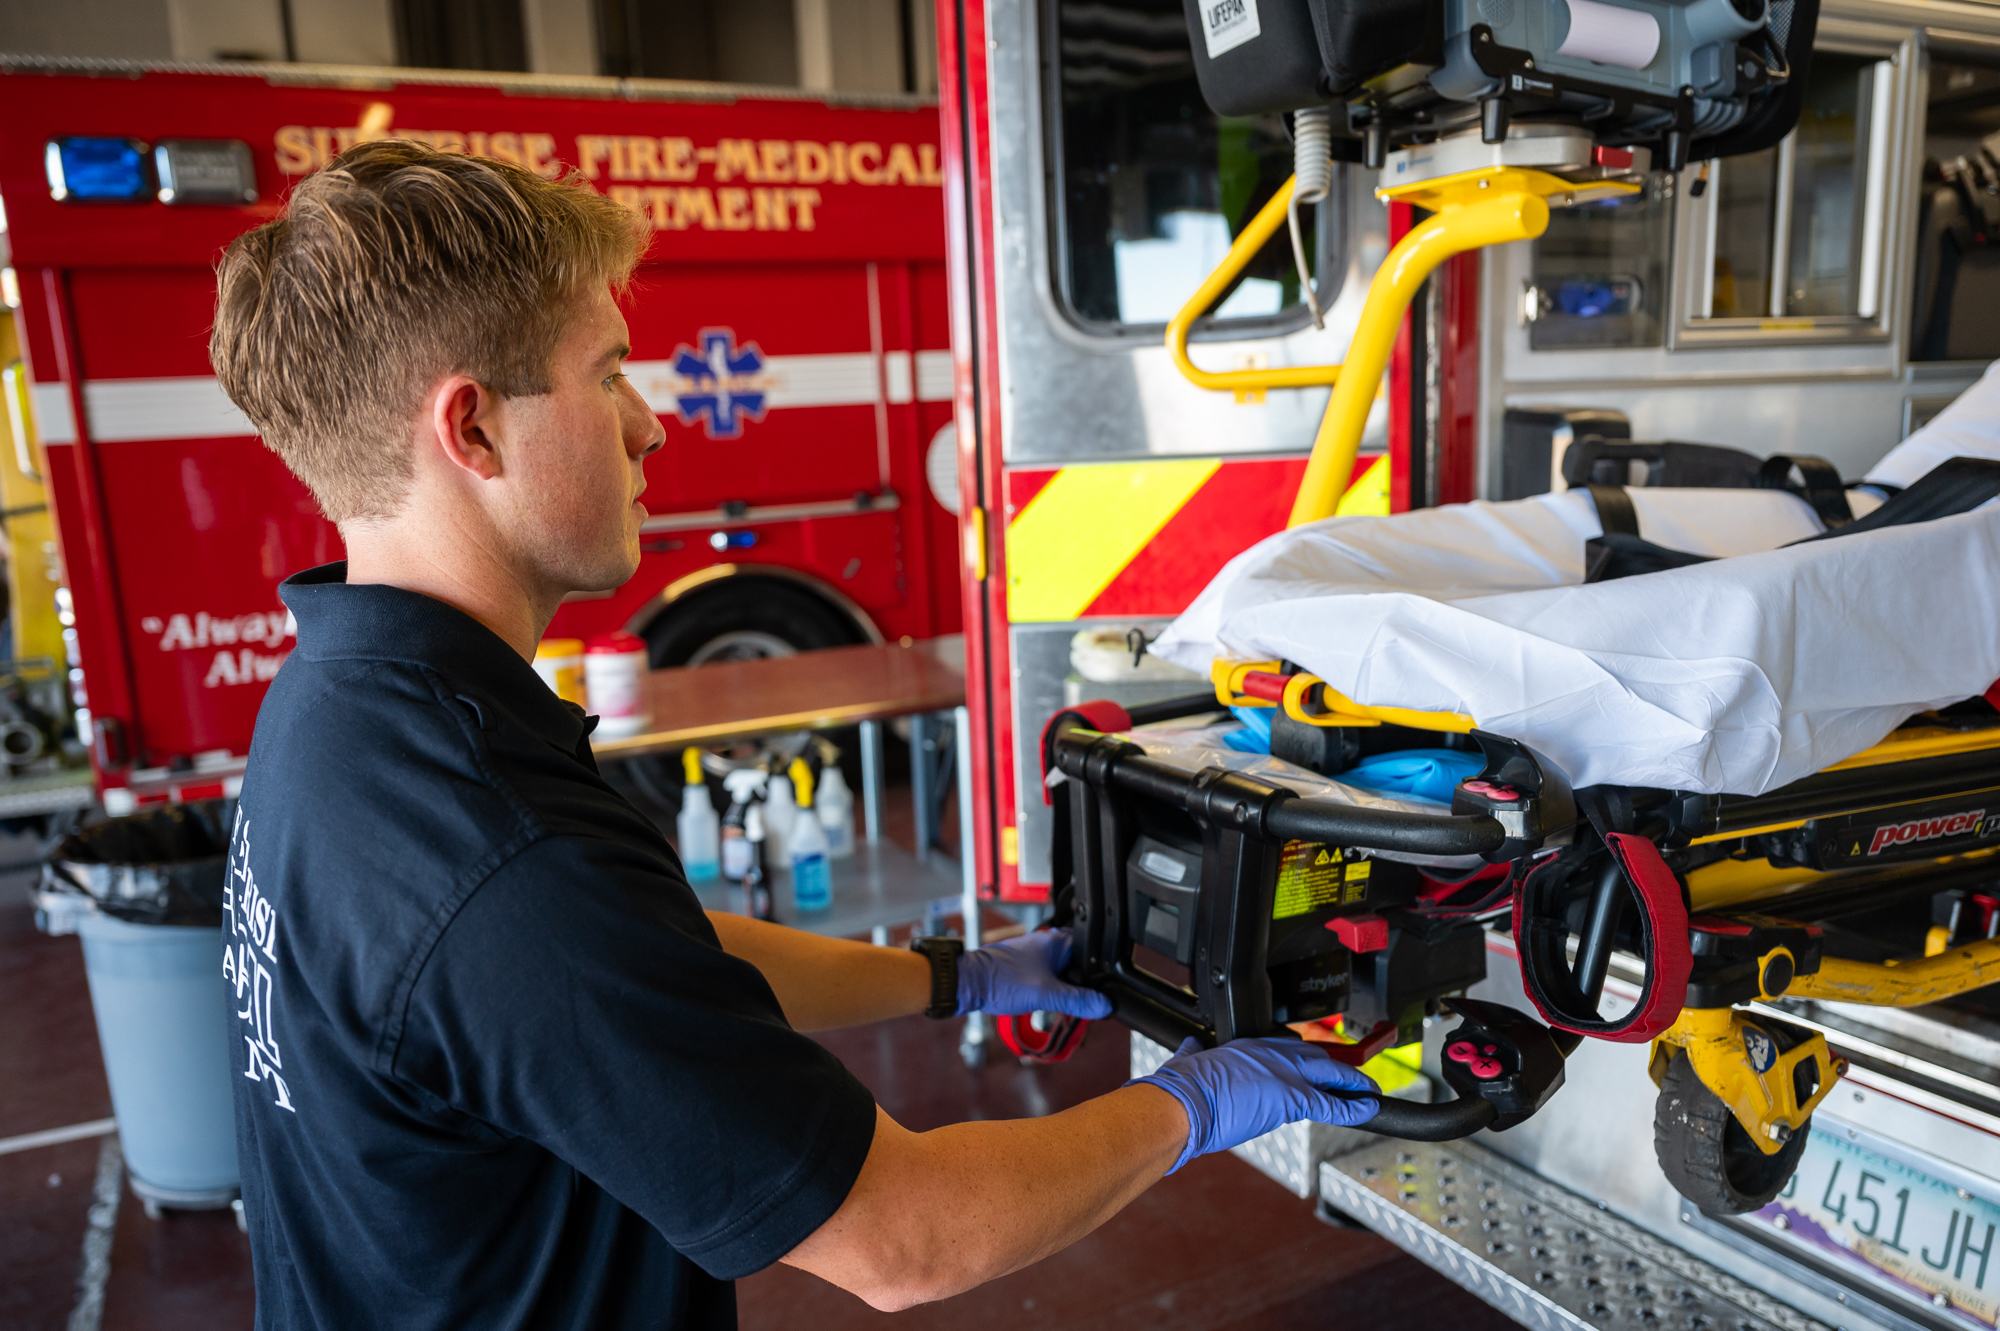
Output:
x,y
1127,539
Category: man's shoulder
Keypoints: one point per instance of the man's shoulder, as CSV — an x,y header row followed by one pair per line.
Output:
x,y
372,773
316,694
398,721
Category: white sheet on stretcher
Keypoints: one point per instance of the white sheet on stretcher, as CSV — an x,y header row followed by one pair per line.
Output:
x,y
1736,676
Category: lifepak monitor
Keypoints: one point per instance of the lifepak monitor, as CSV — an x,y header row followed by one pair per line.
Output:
x,y
1683,78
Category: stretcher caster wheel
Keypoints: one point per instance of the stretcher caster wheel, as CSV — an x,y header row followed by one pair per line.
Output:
x,y
1706,1154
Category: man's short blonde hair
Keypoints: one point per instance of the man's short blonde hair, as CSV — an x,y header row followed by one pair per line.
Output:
x,y
395,266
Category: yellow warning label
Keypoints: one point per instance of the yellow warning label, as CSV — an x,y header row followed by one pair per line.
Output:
x,y
1357,883
1312,877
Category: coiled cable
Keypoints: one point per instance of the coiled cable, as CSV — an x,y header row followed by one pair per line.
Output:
x,y
1312,182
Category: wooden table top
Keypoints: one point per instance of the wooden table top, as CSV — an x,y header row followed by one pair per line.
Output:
x,y
731,700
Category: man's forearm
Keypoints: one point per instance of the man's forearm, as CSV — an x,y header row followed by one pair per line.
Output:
x,y
825,983
936,1213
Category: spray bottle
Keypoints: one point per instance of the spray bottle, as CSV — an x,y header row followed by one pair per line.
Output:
x,y
757,881
812,878
745,786
699,830
780,812
835,805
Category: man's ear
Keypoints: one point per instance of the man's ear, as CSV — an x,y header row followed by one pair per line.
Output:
x,y
459,426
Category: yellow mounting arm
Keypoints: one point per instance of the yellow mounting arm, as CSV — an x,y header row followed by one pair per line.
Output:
x,y
1262,227
1489,206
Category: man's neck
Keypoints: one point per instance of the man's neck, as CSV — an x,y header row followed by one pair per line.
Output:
x,y
454,567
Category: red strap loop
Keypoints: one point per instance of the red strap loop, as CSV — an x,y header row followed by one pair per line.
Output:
x,y
1054,1045
1542,938
1100,714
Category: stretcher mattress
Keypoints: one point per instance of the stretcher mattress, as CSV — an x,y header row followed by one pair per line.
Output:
x,y
1968,428
1736,676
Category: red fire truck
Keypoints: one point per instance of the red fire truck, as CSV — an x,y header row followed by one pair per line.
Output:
x,y
790,325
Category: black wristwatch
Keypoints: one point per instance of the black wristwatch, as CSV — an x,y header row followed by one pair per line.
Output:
x,y
943,954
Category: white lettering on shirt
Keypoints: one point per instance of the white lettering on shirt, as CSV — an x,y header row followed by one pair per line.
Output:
x,y
253,941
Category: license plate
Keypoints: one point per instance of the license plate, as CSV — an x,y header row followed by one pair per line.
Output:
x,y
1910,1225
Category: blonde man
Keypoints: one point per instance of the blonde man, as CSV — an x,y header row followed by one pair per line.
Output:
x,y
498,1069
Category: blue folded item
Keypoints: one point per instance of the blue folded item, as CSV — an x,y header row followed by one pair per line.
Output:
x,y
1255,737
1428,774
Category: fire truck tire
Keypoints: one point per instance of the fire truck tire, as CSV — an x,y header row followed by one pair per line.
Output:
x,y
1706,1154
748,617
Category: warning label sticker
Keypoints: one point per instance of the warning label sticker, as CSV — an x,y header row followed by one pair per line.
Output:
x,y
1313,877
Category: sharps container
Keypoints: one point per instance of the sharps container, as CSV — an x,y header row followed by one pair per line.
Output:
x,y
145,894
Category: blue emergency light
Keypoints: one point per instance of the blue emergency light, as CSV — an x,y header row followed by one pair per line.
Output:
x,y
97,170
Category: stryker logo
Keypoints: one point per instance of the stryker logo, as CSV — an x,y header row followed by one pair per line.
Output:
x,y
1316,984
1227,24
1924,829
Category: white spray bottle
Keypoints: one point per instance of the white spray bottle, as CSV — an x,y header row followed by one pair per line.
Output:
x,y
699,828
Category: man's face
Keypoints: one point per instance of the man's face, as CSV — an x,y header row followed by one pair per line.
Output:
x,y
574,457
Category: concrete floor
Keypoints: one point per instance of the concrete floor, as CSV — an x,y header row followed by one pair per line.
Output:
x,y
1216,1246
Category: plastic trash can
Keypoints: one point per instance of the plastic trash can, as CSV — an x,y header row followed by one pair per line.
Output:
x,y
145,894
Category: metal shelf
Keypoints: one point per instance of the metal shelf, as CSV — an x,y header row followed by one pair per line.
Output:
x,y
882,885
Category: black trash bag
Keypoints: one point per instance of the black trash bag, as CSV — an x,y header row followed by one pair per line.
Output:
x,y
164,866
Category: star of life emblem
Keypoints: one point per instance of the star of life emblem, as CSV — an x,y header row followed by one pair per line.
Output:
x,y
722,385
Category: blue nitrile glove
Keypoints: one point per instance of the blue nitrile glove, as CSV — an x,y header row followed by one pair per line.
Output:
x,y
1248,1087
1022,975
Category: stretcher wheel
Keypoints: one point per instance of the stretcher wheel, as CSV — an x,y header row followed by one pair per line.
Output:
x,y
1706,1154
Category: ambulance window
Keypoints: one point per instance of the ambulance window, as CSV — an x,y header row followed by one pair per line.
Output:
x,y
1150,187
1955,302
1600,274
1795,233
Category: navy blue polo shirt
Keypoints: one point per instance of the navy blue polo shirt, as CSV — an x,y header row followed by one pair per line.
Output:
x,y
493,1068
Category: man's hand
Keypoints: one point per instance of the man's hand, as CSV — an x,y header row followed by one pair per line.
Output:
x,y
1024,975
1246,1088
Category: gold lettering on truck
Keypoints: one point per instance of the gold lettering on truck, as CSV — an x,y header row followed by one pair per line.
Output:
x,y
813,163
734,157
616,159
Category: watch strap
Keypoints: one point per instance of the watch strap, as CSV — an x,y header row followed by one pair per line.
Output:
x,y
943,954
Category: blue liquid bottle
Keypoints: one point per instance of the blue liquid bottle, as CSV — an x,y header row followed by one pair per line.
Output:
x,y
812,877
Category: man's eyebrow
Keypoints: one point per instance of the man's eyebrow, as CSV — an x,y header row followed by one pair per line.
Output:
x,y
617,353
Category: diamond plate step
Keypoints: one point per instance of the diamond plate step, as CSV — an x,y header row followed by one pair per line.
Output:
x,y
1539,1253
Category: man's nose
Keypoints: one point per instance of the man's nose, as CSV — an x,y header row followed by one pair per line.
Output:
x,y
644,434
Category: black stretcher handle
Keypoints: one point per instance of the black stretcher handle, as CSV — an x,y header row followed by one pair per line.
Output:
x,y
1409,1121
1300,818
1305,819
1405,1120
